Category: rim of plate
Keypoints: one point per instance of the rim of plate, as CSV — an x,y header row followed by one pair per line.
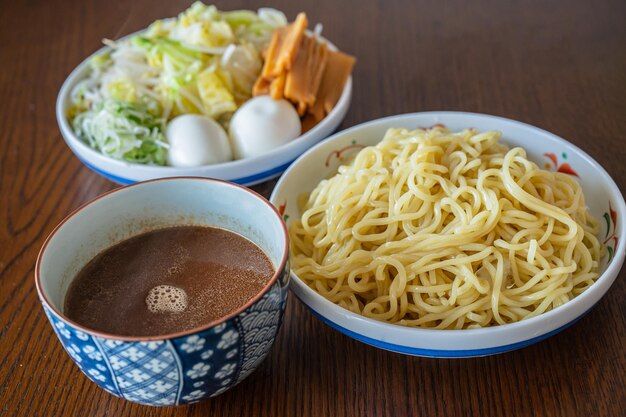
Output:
x,y
69,135
279,268
610,273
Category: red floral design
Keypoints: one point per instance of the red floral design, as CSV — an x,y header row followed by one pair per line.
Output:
x,y
338,153
613,214
281,211
564,167
611,225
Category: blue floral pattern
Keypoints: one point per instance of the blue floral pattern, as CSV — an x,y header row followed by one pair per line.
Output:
x,y
192,344
182,370
85,353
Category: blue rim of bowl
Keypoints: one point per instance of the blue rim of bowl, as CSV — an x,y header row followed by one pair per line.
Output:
x,y
249,180
441,353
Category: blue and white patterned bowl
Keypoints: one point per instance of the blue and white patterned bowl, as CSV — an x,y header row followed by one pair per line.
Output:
x,y
178,368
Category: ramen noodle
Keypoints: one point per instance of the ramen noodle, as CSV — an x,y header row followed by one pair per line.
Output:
x,y
436,229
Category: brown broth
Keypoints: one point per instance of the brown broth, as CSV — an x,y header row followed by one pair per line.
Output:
x,y
218,272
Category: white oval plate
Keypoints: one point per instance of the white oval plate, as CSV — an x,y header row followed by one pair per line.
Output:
x,y
247,171
546,149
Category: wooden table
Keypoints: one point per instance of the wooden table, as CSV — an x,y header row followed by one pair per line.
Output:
x,y
558,65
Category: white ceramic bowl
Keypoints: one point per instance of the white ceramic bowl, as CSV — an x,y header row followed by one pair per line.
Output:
x,y
247,171
547,150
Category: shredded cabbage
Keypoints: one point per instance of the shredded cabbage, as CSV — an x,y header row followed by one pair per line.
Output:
x,y
204,61
130,132
243,63
255,28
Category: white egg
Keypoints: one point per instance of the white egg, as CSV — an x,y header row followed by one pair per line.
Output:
x,y
261,125
196,140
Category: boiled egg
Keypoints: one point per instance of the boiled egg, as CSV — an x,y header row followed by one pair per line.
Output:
x,y
196,140
261,125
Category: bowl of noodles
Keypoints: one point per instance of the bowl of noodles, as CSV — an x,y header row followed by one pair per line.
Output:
x,y
449,234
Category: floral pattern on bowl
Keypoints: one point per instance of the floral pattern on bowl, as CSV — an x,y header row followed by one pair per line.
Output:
x,y
563,167
182,370
611,240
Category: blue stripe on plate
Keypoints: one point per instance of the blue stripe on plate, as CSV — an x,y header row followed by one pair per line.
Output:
x,y
433,353
119,180
265,175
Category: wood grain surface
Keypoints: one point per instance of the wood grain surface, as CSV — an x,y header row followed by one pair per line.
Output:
x,y
559,65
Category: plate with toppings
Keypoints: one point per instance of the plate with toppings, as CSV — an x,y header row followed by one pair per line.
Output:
x,y
233,95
